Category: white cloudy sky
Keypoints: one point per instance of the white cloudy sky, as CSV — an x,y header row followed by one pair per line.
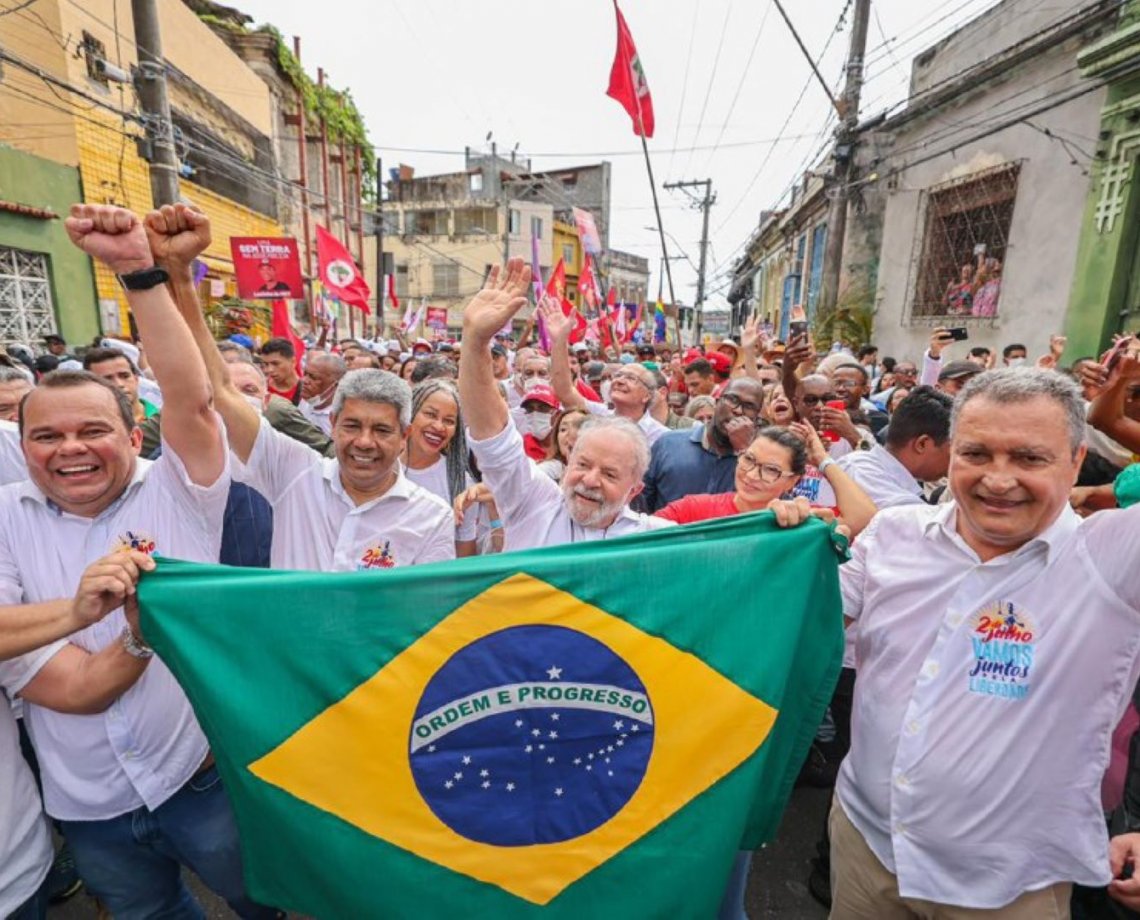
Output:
x,y
434,76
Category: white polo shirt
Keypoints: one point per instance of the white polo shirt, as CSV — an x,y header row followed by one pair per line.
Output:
x,y
986,700
147,744
13,468
652,428
318,527
530,503
885,480
25,845
318,418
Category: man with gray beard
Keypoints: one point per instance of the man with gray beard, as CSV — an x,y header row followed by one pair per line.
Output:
x,y
604,471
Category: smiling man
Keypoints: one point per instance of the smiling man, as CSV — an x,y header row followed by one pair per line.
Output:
x,y
604,470
355,511
997,647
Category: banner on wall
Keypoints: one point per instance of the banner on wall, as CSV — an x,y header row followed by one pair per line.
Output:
x,y
267,268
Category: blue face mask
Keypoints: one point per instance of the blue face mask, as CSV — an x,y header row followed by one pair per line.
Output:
x,y
627,358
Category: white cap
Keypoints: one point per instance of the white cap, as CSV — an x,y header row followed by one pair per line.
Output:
x,y
125,348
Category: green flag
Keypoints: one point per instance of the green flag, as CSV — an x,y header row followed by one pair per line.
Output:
x,y
580,731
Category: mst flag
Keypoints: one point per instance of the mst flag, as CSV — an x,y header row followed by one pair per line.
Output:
x,y
553,733
338,271
627,80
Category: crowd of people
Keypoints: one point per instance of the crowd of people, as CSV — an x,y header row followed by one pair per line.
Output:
x,y
992,600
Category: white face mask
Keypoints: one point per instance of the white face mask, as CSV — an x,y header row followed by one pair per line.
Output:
x,y
254,401
539,424
605,391
1016,362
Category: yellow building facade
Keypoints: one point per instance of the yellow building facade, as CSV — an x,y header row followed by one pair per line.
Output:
x,y
99,131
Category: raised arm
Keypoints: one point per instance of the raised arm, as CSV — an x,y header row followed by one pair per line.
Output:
x,y
486,313
116,237
558,327
855,506
750,343
178,235
1107,411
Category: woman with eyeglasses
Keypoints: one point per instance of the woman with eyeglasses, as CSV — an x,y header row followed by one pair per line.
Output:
x,y
768,470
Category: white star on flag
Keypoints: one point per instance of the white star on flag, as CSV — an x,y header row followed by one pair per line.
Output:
x,y
554,717
619,742
484,773
554,734
589,766
431,748
619,725
487,783
458,776
510,787
528,748
554,673
634,728
536,732
466,760
518,723
550,760
558,791
577,760
448,784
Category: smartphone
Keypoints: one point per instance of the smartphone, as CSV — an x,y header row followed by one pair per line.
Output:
x,y
980,249
830,434
798,328
958,333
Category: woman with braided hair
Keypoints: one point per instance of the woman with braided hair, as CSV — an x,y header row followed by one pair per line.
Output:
x,y
436,454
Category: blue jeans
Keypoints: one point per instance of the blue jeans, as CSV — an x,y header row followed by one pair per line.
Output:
x,y
732,904
132,863
35,908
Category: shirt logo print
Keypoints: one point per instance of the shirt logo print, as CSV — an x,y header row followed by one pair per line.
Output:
x,y
377,557
1003,640
136,540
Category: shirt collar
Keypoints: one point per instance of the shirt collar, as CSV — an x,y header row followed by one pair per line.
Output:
x,y
894,468
30,491
1052,539
401,488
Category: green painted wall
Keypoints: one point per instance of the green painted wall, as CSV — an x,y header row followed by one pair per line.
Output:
x,y
1110,231
39,183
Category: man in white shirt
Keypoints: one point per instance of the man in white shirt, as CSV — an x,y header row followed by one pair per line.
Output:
x,y
917,450
632,389
997,647
604,471
127,772
354,512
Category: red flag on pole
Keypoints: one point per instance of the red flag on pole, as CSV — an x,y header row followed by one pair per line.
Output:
x,y
627,81
392,298
338,271
281,327
556,287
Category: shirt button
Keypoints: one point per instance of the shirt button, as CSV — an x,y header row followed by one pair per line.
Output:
x,y
902,781
955,620
930,669
900,828
912,727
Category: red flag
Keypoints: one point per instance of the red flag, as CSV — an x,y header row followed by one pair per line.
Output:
x,y
281,327
556,287
627,81
339,274
392,298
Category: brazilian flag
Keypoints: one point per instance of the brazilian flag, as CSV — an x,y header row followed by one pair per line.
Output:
x,y
589,730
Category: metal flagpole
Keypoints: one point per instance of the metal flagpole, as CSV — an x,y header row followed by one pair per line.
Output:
x,y
660,231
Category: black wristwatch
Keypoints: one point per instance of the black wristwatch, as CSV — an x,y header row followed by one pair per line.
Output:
x,y
144,279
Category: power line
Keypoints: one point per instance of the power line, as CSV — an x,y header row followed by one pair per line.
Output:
x,y
684,88
712,80
17,7
743,77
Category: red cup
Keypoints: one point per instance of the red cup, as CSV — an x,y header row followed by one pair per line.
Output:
x,y
828,434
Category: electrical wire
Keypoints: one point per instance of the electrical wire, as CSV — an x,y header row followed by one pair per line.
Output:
x,y
17,7
684,89
712,80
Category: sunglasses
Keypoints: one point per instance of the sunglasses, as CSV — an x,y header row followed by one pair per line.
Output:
x,y
812,400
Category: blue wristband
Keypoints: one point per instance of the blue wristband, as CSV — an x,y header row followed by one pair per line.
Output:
x,y
496,524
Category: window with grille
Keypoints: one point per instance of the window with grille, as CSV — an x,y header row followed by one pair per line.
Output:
x,y
568,253
402,281
444,279
964,241
476,220
26,310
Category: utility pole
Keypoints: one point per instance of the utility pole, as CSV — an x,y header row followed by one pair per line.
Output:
x,y
844,157
151,87
380,267
705,204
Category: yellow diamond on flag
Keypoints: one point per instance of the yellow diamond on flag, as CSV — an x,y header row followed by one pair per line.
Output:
x,y
525,740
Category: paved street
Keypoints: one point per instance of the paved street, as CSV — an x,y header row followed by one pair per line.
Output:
x,y
776,889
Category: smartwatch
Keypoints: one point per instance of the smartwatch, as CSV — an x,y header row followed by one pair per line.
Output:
x,y
144,279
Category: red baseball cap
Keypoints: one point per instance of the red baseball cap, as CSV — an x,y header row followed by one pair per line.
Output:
x,y
540,393
691,355
721,363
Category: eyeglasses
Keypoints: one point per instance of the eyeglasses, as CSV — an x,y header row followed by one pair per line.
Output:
x,y
810,399
735,402
906,371
768,472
